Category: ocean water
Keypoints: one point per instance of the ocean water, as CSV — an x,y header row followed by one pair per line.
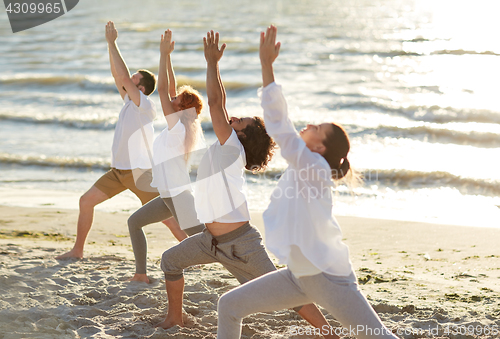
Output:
x,y
414,82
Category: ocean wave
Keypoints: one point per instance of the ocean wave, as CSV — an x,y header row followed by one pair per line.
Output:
x,y
463,52
433,134
86,123
398,179
230,86
50,80
14,181
418,179
406,179
80,123
385,54
94,83
396,53
54,161
433,113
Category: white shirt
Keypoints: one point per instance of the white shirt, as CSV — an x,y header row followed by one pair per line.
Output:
x,y
219,195
300,227
170,172
133,139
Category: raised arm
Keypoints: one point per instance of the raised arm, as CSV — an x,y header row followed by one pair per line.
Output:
x,y
166,47
268,52
215,89
120,68
172,82
278,124
118,83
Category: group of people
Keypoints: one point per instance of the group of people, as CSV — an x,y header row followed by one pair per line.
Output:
x,y
212,221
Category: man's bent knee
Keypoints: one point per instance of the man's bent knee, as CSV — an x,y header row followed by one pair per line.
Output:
x,y
86,201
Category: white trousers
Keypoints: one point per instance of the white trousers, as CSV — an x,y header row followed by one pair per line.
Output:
x,y
281,290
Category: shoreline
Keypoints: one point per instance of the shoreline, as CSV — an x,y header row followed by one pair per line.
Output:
x,y
426,279
126,202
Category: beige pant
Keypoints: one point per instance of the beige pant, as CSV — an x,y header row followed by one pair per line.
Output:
x,y
116,181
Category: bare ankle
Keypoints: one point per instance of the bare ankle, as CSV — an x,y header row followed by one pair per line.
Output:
x,y
170,322
140,277
74,253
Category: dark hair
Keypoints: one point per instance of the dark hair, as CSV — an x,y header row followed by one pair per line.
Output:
x,y
337,146
259,146
148,81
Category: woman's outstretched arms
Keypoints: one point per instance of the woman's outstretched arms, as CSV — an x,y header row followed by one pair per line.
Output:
x,y
164,86
268,52
215,89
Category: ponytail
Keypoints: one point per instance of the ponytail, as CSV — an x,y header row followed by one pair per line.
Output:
x,y
342,170
337,146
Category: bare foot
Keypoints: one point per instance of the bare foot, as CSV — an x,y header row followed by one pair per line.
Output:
x,y
168,323
140,277
71,254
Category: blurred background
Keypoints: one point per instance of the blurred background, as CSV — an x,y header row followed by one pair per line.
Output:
x,y
414,82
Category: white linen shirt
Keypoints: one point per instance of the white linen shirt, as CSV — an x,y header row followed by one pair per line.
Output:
x,y
133,139
170,172
219,190
299,224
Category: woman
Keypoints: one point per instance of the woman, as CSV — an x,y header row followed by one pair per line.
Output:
x,y
300,228
171,150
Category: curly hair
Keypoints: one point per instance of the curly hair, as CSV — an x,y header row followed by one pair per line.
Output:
x,y
191,105
259,146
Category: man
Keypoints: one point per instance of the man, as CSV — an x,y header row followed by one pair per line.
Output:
x,y
132,144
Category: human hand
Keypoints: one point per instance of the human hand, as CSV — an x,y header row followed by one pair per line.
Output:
x,y
111,32
269,49
211,47
167,45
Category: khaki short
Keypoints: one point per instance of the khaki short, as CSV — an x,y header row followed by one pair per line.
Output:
x,y
138,181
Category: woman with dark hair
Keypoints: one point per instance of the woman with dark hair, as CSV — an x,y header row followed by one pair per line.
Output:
x,y
300,227
171,151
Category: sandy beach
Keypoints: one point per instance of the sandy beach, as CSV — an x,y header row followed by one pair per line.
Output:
x,y
413,82
424,280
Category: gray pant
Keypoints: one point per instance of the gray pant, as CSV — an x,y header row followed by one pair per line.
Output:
x,y
281,289
158,210
240,251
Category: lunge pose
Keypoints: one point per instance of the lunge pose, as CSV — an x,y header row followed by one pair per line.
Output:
x,y
300,228
130,161
228,238
171,150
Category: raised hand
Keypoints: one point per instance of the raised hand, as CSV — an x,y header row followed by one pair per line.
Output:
x,y
269,49
167,45
111,32
211,47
